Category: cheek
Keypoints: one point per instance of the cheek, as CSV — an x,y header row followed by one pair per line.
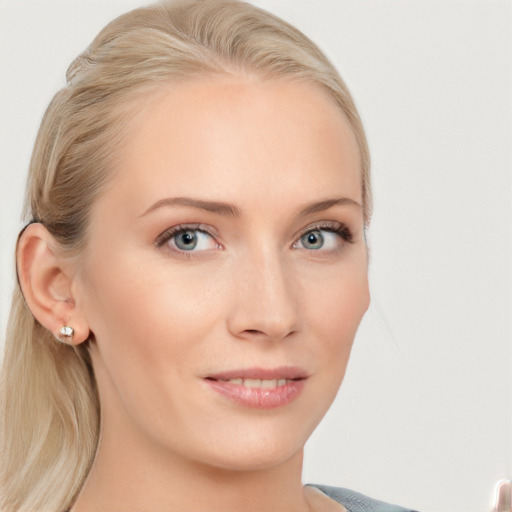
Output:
x,y
149,316
151,331
340,297
336,310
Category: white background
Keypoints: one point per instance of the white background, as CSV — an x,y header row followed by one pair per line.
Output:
x,y
424,417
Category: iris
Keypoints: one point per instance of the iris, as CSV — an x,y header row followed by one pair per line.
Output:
x,y
186,240
312,240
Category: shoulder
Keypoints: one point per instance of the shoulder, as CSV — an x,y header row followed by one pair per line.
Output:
x,y
357,502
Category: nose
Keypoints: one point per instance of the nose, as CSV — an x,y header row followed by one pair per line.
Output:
x,y
266,300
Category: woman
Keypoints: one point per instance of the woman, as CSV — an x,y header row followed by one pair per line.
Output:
x,y
193,271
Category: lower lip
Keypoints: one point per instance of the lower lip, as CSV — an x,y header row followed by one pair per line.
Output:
x,y
258,398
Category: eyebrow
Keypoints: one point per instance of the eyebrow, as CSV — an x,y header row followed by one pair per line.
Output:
x,y
231,210
210,206
321,206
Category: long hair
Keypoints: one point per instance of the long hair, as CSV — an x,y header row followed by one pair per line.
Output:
x,y
49,407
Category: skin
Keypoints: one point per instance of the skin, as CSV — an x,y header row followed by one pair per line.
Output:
x,y
252,294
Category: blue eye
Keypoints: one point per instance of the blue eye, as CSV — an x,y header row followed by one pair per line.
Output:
x,y
327,238
186,239
312,239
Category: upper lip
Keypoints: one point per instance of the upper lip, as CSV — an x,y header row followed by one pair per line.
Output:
x,y
282,372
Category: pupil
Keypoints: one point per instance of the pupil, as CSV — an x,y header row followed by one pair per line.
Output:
x,y
313,240
186,240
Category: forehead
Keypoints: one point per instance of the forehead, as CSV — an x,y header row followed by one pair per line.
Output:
x,y
216,138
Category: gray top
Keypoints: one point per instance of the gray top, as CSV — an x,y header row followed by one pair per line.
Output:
x,y
357,502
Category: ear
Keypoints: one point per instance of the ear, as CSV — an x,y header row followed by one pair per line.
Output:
x,y
46,277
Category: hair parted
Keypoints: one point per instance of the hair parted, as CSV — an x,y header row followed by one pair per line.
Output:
x,y
49,408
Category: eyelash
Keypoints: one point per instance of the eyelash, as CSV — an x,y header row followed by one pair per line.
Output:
x,y
332,227
163,238
338,228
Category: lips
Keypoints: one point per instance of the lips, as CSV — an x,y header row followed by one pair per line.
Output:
x,y
258,387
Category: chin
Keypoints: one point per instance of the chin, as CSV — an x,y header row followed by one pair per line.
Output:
x,y
254,461
253,449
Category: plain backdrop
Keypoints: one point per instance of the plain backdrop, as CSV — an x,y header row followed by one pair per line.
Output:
x,y
424,417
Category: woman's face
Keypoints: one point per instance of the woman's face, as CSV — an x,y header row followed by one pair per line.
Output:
x,y
225,273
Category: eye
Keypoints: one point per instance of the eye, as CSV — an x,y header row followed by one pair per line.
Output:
x,y
327,238
187,239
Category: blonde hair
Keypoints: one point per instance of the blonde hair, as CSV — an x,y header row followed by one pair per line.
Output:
x,y
49,408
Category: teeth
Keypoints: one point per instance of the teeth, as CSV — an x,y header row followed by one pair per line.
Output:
x,y
259,383
254,383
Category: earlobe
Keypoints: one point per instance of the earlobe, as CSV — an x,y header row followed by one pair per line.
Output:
x,y
45,278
